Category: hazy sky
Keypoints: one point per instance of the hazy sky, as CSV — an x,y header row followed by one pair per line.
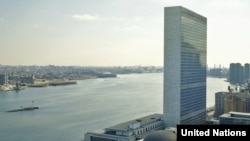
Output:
x,y
114,32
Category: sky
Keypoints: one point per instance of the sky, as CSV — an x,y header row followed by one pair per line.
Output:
x,y
114,32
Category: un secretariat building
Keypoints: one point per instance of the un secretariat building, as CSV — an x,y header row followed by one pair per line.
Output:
x,y
185,59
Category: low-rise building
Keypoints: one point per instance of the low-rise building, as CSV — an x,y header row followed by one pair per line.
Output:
x,y
128,131
235,118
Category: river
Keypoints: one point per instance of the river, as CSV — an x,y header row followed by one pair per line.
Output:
x,y
67,112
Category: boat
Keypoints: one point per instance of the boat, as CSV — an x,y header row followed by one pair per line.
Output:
x,y
62,82
106,75
19,87
25,108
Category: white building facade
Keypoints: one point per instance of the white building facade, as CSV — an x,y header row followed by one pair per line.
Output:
x,y
185,60
128,131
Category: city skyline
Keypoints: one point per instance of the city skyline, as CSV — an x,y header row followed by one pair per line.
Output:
x,y
113,33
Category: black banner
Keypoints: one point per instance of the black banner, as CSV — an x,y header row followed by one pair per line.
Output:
x,y
199,132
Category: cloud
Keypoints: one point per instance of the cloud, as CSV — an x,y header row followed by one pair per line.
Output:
x,y
85,17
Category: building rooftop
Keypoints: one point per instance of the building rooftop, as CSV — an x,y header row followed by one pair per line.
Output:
x,y
239,113
133,124
236,114
162,135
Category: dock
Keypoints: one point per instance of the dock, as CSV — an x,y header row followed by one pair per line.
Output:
x,y
62,82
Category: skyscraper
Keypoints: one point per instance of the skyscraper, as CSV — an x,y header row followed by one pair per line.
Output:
x,y
185,59
246,72
2,79
236,73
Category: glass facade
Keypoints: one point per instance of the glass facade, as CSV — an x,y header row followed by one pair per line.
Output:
x,y
185,60
193,67
238,119
247,72
101,139
2,79
236,73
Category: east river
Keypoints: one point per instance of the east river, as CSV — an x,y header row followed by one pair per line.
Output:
x,y
67,112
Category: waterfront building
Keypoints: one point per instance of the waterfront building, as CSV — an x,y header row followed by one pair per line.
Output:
x,y
162,135
2,79
247,72
128,131
235,118
231,101
219,103
185,60
236,73
218,71
27,79
234,103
